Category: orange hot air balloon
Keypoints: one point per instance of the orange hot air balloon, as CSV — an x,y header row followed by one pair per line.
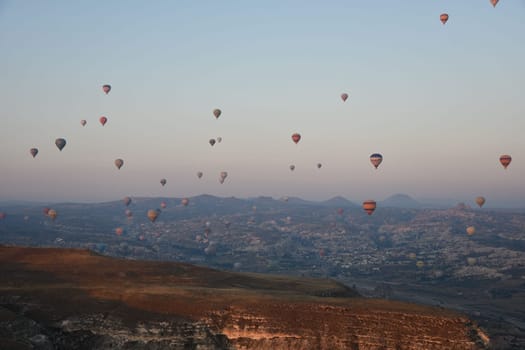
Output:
x,y
119,231
103,120
471,230
344,96
494,2
369,206
296,137
34,152
163,205
119,163
185,201
106,88
444,18
505,160
127,201
480,201
153,214
52,213
217,113
83,122
376,159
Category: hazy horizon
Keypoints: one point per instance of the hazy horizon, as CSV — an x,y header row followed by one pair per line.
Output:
x,y
441,103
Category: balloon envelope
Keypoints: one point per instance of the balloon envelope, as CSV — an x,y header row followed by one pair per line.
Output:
x,y
127,201
60,143
119,231
319,165
505,160
217,113
444,18
471,230
185,202
344,96
106,88
153,214
83,122
376,159
34,152
494,2
52,213
163,182
292,167
199,174
369,206
480,201
296,137
103,120
212,142
119,163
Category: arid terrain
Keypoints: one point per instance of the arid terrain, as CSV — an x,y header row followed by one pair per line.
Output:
x,y
66,298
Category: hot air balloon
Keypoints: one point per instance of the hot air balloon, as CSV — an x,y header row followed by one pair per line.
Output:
x,y
369,206
60,143
34,152
45,211
221,180
185,201
494,2
163,182
471,261
319,165
212,142
119,231
296,137
127,201
292,167
52,213
83,122
217,113
223,175
471,230
103,120
153,214
2,215
344,96
163,205
106,88
119,163
128,213
444,18
480,201
376,159
219,139
199,174
340,211
420,264
505,160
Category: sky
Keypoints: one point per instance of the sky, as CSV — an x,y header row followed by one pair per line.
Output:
x,y
441,103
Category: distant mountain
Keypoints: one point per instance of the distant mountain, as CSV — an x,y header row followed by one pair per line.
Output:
x,y
339,201
400,201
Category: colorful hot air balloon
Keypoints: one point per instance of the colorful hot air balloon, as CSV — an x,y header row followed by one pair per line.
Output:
x,y
480,201
369,206
494,2
319,165
296,137
127,201
103,120
185,201
199,174
376,159
212,142
83,122
52,213
505,160
292,167
60,143
106,88
163,205
217,113
344,96
163,182
444,18
119,163
219,139
153,214
119,231
34,152
471,230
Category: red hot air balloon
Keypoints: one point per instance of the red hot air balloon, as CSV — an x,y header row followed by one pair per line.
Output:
x,y
444,18
505,160
494,2
103,120
106,88
296,137
369,206
83,122
34,152
119,163
344,97
119,231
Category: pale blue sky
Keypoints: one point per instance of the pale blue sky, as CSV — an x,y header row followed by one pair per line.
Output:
x,y
441,103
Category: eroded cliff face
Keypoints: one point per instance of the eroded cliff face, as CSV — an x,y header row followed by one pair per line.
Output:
x,y
67,299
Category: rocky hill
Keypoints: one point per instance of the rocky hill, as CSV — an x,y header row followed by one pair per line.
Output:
x,y
67,298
